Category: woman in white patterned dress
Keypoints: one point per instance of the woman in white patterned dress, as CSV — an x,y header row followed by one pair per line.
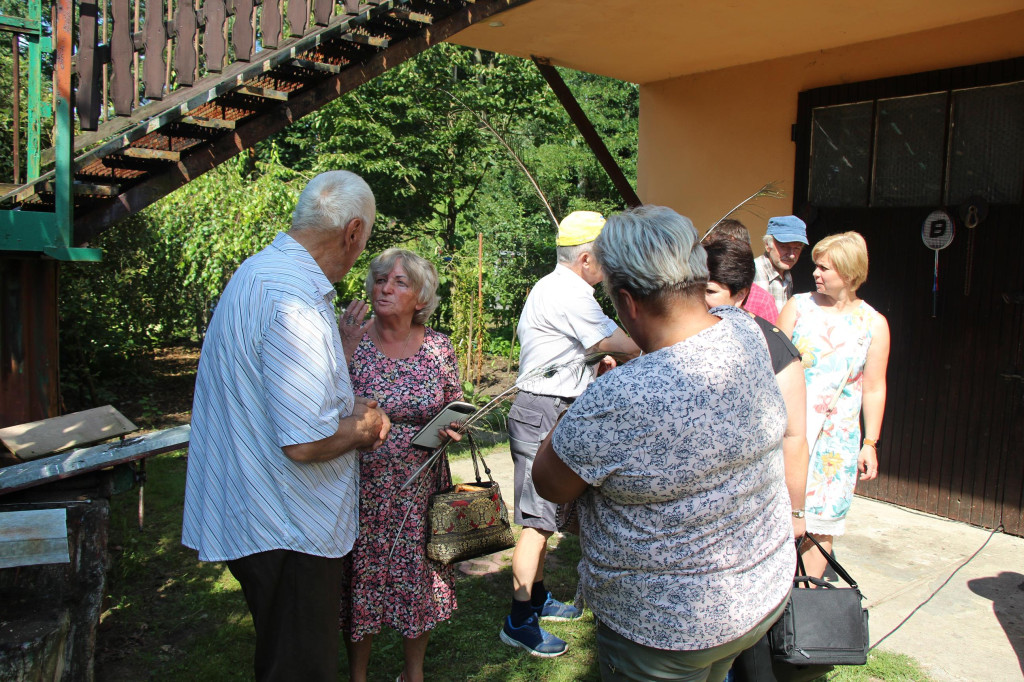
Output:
x,y
677,462
844,344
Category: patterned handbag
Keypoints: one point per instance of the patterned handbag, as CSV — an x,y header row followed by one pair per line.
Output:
x,y
467,521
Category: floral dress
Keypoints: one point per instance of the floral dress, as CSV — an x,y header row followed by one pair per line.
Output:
x,y
832,347
389,580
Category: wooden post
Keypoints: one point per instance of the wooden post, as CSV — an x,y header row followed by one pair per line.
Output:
x,y
480,304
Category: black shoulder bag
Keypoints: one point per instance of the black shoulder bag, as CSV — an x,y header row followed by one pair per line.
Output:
x,y
825,625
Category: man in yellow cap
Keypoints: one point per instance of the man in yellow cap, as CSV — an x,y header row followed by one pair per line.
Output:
x,y
561,324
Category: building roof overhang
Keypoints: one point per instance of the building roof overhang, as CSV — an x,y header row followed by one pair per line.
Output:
x,y
653,40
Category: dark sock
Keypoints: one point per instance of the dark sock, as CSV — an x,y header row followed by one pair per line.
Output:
x,y
521,612
539,594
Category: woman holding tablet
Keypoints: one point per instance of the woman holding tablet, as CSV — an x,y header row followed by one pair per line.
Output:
x,y
410,370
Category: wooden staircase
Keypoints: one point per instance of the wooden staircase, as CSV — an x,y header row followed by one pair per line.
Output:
x,y
216,107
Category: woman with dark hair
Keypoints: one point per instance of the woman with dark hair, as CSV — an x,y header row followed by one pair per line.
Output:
x,y
730,274
687,552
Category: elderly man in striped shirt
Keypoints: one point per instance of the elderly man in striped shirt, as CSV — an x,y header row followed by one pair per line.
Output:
x,y
273,473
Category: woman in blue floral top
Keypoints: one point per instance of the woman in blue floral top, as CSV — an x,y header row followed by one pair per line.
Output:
x,y
676,458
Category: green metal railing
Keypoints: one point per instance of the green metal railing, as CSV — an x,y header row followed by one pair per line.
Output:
x,y
43,231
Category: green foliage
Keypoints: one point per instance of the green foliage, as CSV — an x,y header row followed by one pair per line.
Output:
x,y
430,137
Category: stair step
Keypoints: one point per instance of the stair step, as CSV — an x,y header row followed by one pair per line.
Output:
x,y
85,188
262,93
152,154
409,15
360,39
316,66
211,123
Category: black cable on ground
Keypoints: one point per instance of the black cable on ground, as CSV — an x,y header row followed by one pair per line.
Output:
x,y
998,529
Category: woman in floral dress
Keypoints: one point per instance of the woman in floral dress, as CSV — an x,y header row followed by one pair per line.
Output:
x,y
411,371
844,344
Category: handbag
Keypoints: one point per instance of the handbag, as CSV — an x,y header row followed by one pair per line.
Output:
x,y
466,521
822,626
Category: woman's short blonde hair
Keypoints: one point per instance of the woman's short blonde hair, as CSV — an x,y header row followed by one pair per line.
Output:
x,y
421,273
848,253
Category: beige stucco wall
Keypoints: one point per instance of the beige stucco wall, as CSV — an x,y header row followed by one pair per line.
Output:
x,y
709,140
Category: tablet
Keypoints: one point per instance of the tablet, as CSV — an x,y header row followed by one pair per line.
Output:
x,y
455,411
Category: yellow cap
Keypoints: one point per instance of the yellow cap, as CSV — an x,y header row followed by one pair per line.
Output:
x,y
580,227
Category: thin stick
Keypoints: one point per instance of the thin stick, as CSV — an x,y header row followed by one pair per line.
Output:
x,y
768,190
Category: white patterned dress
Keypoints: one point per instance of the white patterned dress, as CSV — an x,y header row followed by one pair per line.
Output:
x,y
832,346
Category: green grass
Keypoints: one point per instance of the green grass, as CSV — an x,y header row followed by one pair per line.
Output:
x,y
171,617
882,665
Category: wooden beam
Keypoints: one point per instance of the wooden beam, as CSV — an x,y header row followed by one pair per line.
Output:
x,y
33,537
76,462
586,128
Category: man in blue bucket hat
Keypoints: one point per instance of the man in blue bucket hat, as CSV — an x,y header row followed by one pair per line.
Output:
x,y
783,244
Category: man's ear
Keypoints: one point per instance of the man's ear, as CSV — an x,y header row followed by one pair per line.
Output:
x,y
354,229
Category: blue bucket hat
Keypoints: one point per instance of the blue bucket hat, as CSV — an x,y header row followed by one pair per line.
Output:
x,y
787,228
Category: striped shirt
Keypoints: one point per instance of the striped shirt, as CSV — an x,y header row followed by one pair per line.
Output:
x,y
779,285
272,373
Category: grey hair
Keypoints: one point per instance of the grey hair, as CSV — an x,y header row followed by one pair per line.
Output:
x,y
569,254
651,251
332,200
421,273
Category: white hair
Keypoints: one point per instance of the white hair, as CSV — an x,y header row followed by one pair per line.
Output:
x,y
569,254
332,200
650,251
421,274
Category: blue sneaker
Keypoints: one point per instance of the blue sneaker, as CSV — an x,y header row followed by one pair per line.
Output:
x,y
533,638
556,610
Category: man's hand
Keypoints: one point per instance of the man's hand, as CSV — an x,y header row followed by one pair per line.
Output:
x,y
365,429
372,425
606,364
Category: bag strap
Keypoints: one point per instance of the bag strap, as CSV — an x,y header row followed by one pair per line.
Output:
x,y
840,571
474,451
831,408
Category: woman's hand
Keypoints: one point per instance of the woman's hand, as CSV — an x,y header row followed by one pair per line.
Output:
x,y
353,325
451,433
867,463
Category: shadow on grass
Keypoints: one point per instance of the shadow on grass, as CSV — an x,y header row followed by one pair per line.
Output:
x,y
171,617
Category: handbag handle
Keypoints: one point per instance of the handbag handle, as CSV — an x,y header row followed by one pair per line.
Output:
x,y
474,452
840,571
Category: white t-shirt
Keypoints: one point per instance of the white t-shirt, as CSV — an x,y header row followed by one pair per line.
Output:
x,y
687,539
560,321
